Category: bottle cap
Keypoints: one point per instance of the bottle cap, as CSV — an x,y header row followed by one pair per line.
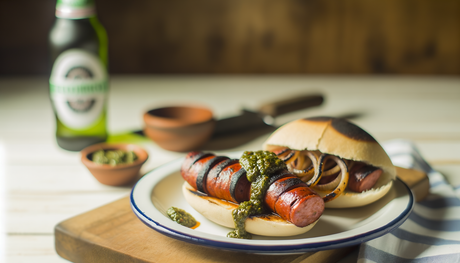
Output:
x,y
75,9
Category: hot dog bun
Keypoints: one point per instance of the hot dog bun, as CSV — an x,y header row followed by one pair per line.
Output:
x,y
220,212
341,138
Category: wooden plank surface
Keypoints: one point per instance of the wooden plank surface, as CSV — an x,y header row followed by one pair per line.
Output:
x,y
258,36
112,233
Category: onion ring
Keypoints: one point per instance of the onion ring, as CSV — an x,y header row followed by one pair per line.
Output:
x,y
298,167
299,163
312,174
287,155
339,184
292,157
317,164
329,185
335,169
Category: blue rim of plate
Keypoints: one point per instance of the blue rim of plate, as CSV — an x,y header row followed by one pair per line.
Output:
x,y
274,249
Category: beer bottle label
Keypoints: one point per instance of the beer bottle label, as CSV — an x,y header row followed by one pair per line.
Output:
x,y
78,88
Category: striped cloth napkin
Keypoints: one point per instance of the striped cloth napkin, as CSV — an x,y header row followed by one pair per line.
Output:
x,y
432,231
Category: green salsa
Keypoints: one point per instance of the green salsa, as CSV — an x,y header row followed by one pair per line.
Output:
x,y
259,166
180,216
114,157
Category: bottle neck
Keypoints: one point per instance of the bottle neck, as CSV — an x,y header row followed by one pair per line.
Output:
x,y
75,9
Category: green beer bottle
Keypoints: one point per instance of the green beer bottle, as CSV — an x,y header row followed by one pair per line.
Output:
x,y
79,77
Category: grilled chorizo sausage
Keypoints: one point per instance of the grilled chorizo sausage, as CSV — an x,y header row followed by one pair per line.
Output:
x,y
363,177
225,178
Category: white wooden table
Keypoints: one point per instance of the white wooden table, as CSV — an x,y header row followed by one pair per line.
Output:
x,y
41,184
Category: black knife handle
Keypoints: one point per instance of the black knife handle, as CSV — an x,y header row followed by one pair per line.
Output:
x,y
291,104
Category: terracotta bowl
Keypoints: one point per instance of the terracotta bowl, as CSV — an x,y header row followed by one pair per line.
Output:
x,y
179,128
121,174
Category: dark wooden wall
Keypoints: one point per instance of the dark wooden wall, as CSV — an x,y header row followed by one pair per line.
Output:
x,y
251,36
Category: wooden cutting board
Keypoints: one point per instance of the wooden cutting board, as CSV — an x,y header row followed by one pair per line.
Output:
x,y
112,233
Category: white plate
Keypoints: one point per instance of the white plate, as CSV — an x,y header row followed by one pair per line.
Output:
x,y
161,188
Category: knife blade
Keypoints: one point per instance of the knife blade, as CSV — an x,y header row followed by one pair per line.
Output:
x,y
266,114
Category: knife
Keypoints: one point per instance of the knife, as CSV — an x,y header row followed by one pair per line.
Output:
x,y
265,116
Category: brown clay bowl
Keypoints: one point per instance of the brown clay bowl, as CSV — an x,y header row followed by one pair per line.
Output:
x,y
179,128
118,175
